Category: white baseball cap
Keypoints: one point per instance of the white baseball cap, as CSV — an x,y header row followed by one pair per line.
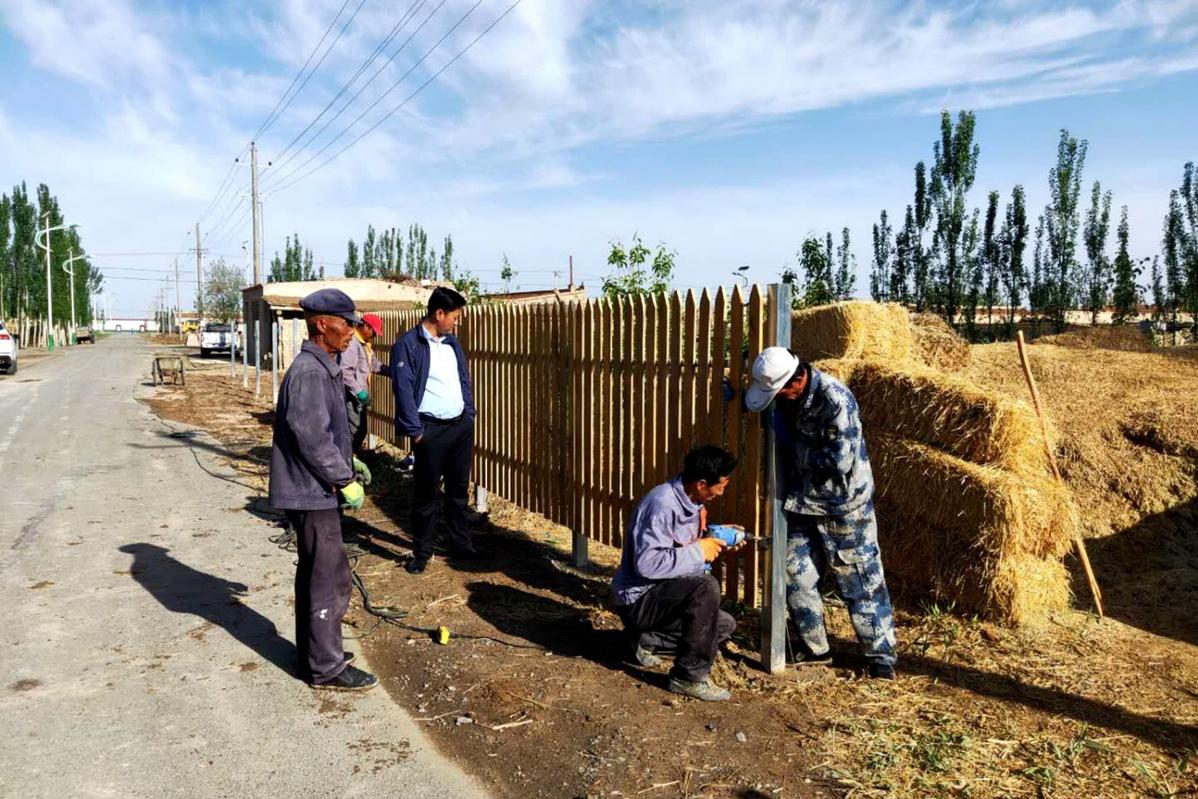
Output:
x,y
772,370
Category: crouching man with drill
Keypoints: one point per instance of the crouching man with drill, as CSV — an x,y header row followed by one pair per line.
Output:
x,y
663,593
829,503
312,472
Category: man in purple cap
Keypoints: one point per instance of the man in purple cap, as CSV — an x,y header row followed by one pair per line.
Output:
x,y
312,472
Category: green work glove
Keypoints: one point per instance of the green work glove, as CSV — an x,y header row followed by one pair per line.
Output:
x,y
363,396
362,471
352,495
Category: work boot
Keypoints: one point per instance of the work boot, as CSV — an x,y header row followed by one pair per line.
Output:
x,y
705,690
416,565
804,658
351,679
881,671
645,657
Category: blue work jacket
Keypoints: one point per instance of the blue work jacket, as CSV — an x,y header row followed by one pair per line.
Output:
x,y
311,453
821,450
409,376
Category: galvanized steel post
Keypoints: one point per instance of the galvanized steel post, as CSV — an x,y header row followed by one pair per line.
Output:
x,y
773,614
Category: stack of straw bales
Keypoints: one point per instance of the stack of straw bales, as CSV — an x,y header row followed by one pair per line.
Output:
x,y
852,330
967,510
938,345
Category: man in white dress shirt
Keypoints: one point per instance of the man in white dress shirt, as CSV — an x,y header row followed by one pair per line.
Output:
x,y
434,406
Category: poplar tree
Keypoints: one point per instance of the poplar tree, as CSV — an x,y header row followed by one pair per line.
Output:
x,y
1096,280
919,214
1014,237
955,160
1061,222
1126,292
353,267
880,275
992,257
844,281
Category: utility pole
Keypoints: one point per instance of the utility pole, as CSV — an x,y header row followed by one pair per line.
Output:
x,y
71,271
257,219
49,292
571,273
178,307
199,280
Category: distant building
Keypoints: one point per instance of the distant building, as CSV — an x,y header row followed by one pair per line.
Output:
x,y
127,324
265,304
573,294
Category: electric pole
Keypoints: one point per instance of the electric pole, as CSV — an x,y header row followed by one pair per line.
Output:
x,y
257,217
178,307
199,280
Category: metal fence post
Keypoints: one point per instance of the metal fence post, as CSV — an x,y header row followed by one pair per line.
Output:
x,y
245,353
274,361
773,614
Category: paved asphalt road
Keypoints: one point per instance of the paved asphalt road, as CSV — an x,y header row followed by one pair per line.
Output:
x,y
147,633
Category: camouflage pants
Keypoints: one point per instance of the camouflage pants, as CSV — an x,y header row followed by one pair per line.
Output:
x,y
848,545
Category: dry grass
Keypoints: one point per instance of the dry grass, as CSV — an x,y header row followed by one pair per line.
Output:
x,y
1125,338
937,345
950,413
853,329
976,537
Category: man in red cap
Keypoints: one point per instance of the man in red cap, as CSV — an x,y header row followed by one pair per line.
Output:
x,y
357,363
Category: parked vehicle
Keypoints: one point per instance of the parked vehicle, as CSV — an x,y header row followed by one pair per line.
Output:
x,y
8,351
217,337
83,334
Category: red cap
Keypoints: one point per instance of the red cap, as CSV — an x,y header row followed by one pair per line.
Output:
x,y
375,322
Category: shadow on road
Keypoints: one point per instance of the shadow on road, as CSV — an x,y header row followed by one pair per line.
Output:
x,y
182,589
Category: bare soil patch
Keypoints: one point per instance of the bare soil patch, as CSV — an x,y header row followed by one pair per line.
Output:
x,y
532,692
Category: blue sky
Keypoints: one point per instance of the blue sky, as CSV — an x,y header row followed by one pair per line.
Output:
x,y
728,129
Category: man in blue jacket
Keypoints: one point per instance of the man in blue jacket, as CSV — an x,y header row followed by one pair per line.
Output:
x,y
434,407
829,501
663,593
311,473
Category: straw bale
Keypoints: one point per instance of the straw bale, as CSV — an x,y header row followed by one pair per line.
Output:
x,y
975,424
988,509
855,329
937,345
1015,591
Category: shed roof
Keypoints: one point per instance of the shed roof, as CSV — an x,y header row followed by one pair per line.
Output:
x,y
368,294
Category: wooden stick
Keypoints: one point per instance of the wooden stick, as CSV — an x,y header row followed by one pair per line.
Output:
x,y
1095,592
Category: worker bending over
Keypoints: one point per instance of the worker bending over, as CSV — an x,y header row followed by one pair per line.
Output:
x,y
663,593
357,364
311,473
829,503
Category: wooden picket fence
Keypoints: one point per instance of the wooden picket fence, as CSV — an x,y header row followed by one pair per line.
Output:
x,y
584,406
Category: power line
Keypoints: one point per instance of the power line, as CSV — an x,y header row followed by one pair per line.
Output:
x,y
395,30
279,107
290,179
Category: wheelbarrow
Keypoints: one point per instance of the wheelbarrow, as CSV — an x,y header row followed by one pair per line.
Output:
x,y
172,366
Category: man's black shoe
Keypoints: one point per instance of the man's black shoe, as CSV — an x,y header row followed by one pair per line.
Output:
x,y
352,679
416,565
881,671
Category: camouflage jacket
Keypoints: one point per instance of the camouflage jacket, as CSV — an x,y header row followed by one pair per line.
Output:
x,y
821,450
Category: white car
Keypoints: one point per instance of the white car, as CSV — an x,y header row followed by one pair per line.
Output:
x,y
216,337
8,351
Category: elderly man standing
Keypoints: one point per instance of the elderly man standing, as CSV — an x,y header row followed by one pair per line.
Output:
x,y
829,502
434,406
357,364
312,471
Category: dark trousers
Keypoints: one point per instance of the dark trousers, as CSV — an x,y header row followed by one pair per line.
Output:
x,y
356,413
682,615
443,454
322,588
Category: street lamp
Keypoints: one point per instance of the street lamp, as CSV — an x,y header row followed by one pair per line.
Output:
x,y
66,268
46,231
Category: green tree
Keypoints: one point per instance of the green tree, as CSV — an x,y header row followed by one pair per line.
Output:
x,y
955,161
991,260
1183,227
815,267
1173,254
844,281
1014,238
1038,290
630,277
295,265
6,270
919,216
222,291
506,274
1126,292
880,274
972,267
1061,223
1096,278
353,267
1158,290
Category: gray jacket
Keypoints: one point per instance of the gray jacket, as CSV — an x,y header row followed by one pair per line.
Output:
x,y
311,453
660,543
821,450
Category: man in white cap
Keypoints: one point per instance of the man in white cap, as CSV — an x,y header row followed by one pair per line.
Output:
x,y
829,501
